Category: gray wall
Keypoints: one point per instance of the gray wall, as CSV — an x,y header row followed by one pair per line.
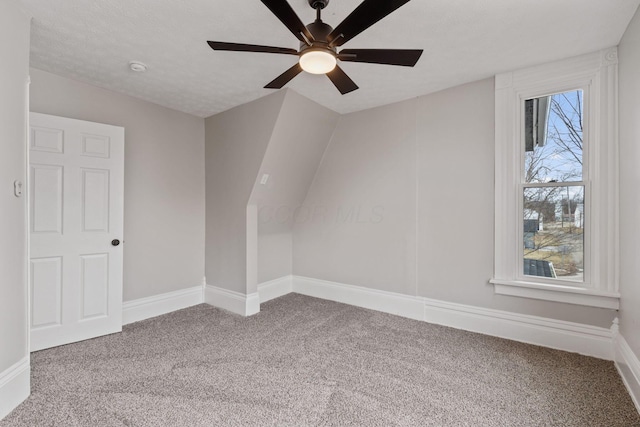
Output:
x,y
361,228
629,102
249,225
299,139
404,202
14,72
164,209
236,142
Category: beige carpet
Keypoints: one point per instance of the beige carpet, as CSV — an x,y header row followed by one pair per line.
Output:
x,y
308,362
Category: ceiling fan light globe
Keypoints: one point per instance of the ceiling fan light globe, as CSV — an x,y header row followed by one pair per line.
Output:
x,y
318,62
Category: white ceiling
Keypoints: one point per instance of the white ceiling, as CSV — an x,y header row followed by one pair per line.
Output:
x,y
463,41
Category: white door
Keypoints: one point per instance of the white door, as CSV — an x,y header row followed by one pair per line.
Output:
x,y
76,186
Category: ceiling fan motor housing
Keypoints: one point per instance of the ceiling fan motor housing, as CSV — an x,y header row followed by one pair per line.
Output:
x,y
318,4
320,31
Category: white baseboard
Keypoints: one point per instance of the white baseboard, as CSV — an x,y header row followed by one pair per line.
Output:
x,y
145,308
235,302
558,334
275,288
573,337
628,365
387,302
15,386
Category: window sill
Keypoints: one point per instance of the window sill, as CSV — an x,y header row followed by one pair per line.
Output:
x,y
558,293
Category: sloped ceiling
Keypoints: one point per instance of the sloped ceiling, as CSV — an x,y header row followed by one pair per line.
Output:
x,y
464,40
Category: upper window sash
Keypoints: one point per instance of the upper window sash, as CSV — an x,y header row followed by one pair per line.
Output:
x,y
550,121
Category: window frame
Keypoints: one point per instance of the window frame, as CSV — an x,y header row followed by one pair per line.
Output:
x,y
584,182
596,75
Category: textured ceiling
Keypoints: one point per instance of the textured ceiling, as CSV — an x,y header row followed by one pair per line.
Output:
x,y
463,40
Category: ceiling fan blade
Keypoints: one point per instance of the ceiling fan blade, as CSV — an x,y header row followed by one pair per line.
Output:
x,y
404,57
287,15
341,80
240,47
285,77
368,13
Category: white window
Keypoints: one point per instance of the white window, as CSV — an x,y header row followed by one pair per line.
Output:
x,y
556,194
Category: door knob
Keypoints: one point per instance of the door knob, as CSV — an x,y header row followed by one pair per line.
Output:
x,y
115,242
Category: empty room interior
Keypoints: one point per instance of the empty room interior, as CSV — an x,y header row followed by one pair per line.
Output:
x,y
314,213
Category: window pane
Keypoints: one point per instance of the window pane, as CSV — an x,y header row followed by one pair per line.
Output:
x,y
553,138
553,224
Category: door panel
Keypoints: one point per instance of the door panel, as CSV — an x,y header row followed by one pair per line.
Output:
x,y
76,207
47,139
96,146
46,199
46,291
95,200
95,285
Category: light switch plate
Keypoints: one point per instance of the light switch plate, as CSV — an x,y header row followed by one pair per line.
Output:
x,y
17,188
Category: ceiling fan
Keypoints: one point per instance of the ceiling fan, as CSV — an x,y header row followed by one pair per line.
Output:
x,y
319,42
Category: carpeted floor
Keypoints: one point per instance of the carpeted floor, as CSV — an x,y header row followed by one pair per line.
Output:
x,y
308,362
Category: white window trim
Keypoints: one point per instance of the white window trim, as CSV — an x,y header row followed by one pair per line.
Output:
x,y
597,74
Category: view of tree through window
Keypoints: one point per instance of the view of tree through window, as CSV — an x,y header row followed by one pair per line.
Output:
x,y
553,191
